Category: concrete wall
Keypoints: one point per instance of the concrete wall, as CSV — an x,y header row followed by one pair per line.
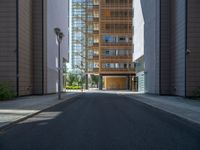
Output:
x,y
57,16
25,48
193,59
150,10
138,36
138,43
8,42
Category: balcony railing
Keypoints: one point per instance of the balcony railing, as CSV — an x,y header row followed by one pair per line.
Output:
x,y
116,44
95,31
116,30
95,57
115,17
117,2
116,57
117,70
95,45
93,70
92,19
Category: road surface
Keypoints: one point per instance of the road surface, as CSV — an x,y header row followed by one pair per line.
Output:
x,y
100,121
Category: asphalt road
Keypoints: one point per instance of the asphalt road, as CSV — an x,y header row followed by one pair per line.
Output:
x,y
102,122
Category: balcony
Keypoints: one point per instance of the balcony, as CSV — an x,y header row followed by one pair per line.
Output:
x,y
95,31
117,4
95,57
116,1
93,70
116,57
92,34
128,19
117,14
95,7
92,20
116,71
116,31
95,45
116,44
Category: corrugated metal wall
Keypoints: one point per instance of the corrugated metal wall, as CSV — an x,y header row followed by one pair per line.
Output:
x,y
193,58
177,43
25,48
8,42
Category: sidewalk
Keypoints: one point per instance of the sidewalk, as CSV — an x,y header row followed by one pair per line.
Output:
x,y
21,108
181,107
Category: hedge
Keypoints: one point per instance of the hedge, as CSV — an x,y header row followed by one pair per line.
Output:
x,y
73,87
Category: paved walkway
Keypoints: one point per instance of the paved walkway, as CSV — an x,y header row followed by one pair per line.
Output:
x,y
24,107
181,107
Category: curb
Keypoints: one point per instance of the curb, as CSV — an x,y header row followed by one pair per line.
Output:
x,y
11,124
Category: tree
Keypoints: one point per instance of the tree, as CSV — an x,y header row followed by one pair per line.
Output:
x,y
71,79
95,80
78,80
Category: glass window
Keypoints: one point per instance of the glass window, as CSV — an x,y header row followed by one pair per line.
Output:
x,y
125,66
107,52
108,38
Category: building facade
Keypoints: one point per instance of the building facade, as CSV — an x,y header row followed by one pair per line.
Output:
x,y
138,42
171,46
27,51
109,42
57,15
77,35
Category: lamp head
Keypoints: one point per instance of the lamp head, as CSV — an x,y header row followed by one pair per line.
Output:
x,y
60,36
57,31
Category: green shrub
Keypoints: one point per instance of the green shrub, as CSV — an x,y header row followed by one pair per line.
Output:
x,y
6,93
73,87
196,92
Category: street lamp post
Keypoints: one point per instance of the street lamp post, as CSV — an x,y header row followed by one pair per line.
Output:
x,y
59,37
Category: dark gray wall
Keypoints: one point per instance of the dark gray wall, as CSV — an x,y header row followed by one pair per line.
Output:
x,y
25,47
8,42
165,50
179,73
38,50
193,59
178,39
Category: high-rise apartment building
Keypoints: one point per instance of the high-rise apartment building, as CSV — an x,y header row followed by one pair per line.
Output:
x,y
77,35
109,42
28,50
171,47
